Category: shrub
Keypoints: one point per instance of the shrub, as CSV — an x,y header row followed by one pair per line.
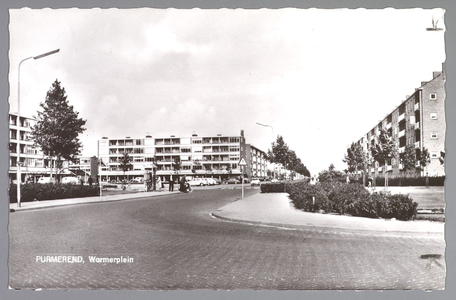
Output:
x,y
49,191
353,199
273,187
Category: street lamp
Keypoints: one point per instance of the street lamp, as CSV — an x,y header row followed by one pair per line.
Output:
x,y
273,138
18,163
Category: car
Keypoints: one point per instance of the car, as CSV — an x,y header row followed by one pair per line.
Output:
x,y
232,181
44,180
138,180
69,179
255,181
197,182
246,180
274,180
211,181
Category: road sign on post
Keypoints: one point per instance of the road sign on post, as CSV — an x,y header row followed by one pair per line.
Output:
x,y
242,164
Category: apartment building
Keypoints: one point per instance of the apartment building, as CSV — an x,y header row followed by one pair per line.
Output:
x,y
33,162
200,156
418,121
256,162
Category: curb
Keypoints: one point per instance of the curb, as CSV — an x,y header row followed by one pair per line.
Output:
x,y
325,229
91,202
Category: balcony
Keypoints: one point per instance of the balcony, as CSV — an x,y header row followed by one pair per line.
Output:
x,y
417,106
417,125
417,164
401,149
380,169
389,168
401,167
372,170
417,145
401,117
388,126
402,133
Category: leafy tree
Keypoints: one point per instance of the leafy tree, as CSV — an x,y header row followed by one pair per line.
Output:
x,y
424,158
196,165
331,175
409,158
383,151
177,164
57,127
125,163
279,153
354,158
229,169
442,157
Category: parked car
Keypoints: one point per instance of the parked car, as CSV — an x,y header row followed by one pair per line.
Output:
x,y
138,180
197,182
232,181
44,180
246,180
255,181
211,181
69,179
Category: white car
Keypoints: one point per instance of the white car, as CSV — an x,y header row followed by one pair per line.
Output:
x,y
255,181
44,180
69,179
197,181
211,181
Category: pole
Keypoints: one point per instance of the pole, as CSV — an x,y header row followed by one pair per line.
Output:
x,y
242,182
18,163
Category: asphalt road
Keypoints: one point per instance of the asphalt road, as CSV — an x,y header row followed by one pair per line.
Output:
x,y
172,242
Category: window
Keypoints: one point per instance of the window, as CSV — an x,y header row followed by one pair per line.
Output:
x,y
433,96
234,139
434,136
433,116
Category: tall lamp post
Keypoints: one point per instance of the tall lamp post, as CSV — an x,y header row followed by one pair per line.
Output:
x,y
18,163
273,138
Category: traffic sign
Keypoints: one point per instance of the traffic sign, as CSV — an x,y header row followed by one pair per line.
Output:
x,y
242,162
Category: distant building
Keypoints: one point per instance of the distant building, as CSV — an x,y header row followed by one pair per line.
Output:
x,y
419,121
200,156
85,167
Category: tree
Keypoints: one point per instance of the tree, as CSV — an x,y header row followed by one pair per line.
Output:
x,y
442,157
423,158
125,164
57,128
383,151
331,175
409,158
177,164
354,158
196,165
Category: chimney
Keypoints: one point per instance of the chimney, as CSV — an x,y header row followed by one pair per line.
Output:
x,y
242,132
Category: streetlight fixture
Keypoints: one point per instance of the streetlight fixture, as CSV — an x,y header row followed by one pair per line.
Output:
x,y
18,162
273,138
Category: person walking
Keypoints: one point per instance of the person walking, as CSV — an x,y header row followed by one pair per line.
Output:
x,y
159,184
171,183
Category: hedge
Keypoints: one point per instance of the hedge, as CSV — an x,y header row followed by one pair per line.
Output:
x,y
341,198
274,187
411,181
50,191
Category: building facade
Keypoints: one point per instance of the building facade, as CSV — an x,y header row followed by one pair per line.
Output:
x,y
33,162
418,122
199,156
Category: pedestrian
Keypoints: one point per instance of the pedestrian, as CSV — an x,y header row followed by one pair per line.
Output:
x,y
171,183
90,180
159,184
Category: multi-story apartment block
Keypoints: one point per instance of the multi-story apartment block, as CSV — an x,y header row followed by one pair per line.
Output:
x,y
33,163
418,121
201,156
256,162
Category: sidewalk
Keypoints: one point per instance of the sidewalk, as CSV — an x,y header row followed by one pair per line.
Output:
x,y
85,200
277,209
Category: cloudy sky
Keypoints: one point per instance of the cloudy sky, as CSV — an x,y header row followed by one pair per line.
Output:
x,y
320,78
